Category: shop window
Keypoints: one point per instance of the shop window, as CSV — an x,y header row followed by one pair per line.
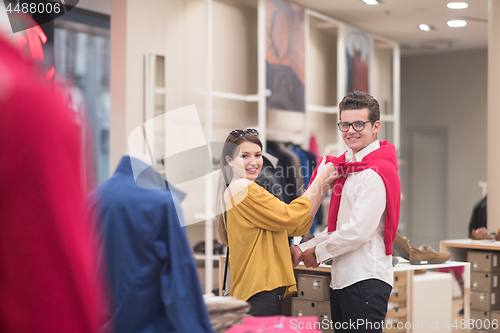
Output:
x,y
82,59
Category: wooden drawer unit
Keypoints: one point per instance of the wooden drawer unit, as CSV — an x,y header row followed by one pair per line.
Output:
x,y
396,309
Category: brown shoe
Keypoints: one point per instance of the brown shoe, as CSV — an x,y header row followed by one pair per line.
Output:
x,y
481,233
426,255
497,235
401,247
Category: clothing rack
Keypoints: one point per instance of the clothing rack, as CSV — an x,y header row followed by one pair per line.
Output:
x,y
307,160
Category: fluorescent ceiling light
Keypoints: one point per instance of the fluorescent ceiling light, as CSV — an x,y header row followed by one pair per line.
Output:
x,y
457,23
371,2
425,27
457,5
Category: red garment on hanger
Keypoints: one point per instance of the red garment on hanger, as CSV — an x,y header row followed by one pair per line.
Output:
x,y
383,161
314,147
49,277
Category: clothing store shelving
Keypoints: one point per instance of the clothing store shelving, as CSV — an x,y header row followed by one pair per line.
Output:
x,y
240,100
458,249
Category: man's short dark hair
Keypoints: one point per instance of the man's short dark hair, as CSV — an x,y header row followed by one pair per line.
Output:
x,y
358,100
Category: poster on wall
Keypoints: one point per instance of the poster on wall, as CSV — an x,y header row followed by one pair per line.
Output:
x,y
358,47
285,49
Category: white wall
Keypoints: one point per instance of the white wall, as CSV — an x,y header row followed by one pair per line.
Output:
x,y
448,90
171,28
234,71
234,65
321,87
382,87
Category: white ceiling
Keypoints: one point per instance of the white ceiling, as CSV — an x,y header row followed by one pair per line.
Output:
x,y
399,20
395,19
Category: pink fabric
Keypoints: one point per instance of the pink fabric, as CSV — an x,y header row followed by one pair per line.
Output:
x,y
458,271
314,147
280,324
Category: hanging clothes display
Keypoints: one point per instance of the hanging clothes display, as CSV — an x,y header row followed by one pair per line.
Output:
x,y
284,163
269,179
294,169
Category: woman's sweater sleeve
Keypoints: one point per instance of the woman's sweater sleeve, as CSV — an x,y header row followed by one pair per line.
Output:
x,y
263,210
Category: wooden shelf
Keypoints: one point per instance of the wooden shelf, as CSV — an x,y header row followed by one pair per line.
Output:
x,y
199,256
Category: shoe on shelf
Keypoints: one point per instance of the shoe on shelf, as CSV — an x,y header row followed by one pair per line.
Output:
x,y
497,235
426,255
481,234
401,247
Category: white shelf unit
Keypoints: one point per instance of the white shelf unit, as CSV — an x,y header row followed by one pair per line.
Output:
x,y
321,114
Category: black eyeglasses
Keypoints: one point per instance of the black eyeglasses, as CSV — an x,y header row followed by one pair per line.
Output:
x,y
357,125
236,133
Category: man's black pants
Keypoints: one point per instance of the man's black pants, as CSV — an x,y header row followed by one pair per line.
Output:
x,y
360,307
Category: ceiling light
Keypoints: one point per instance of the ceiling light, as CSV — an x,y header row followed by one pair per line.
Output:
x,y
371,2
457,5
425,27
457,23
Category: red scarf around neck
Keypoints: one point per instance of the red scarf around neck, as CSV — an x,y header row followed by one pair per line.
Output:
x,y
383,161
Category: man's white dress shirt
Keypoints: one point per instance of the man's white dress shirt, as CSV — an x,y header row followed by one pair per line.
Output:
x,y
357,247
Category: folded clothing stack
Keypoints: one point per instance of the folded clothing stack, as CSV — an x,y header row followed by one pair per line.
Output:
x,y
225,311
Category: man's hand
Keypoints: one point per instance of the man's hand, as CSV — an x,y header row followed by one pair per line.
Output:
x,y
308,259
296,253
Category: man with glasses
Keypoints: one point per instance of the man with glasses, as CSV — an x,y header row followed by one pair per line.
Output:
x,y
362,221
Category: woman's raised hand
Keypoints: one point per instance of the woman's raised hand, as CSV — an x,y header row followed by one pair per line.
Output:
x,y
327,172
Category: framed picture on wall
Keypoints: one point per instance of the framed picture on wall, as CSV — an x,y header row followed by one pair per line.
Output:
x,y
358,49
285,60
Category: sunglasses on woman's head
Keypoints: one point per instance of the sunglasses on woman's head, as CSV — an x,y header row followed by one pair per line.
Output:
x,y
251,131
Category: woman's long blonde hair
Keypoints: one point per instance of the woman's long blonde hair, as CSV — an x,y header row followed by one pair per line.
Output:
x,y
226,175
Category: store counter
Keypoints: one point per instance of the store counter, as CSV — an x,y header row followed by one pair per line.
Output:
x,y
458,247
